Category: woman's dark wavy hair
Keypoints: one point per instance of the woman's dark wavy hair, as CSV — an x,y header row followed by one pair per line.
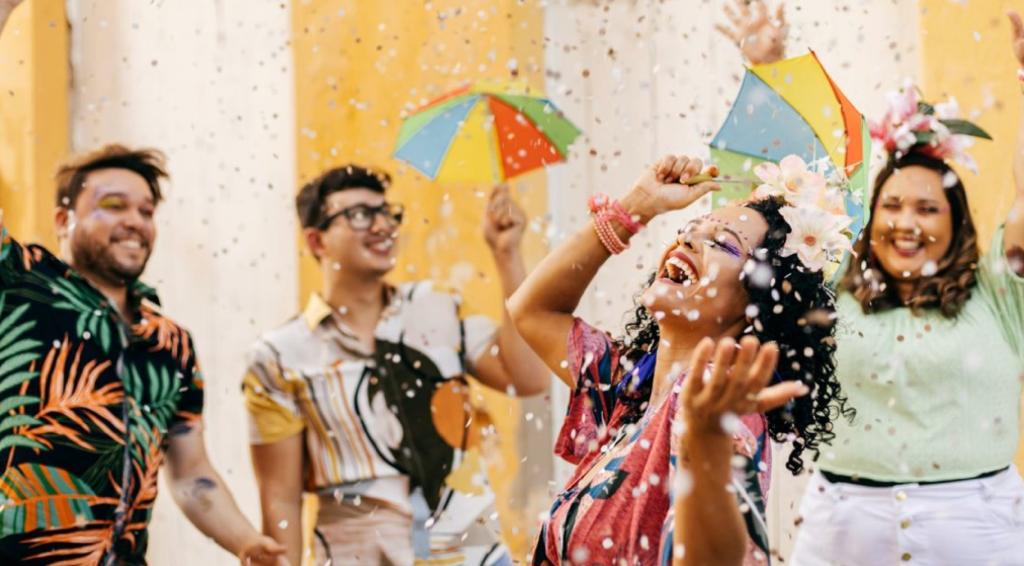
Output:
x,y
950,287
796,310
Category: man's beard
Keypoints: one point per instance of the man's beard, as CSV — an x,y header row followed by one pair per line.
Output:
x,y
96,260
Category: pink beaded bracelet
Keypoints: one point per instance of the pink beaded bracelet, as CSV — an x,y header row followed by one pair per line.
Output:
x,y
605,210
607,235
601,203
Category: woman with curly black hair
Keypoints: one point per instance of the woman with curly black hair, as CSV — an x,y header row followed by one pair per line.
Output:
x,y
735,274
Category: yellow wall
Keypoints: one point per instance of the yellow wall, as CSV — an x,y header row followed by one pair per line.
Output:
x,y
359,66
33,116
966,52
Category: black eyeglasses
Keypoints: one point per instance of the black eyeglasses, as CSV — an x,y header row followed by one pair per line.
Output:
x,y
362,216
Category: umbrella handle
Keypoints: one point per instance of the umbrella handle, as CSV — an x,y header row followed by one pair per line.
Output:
x,y
709,174
702,178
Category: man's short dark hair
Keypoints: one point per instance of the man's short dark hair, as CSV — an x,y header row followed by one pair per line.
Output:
x,y
150,164
312,198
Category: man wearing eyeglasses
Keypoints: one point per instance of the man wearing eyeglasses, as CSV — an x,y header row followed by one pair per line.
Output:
x,y
361,398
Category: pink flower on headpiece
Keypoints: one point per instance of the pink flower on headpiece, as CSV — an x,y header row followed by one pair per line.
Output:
x,y
789,179
923,123
905,128
901,120
879,130
955,147
902,103
902,138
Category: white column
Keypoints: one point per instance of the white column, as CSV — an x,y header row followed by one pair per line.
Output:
x,y
209,83
645,78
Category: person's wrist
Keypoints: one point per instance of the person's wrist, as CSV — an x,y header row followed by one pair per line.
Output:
x,y
705,433
637,204
246,541
706,445
507,252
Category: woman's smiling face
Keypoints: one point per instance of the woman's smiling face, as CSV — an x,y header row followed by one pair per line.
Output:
x,y
698,283
912,224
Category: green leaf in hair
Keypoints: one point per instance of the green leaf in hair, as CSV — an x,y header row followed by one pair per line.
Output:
x,y
965,128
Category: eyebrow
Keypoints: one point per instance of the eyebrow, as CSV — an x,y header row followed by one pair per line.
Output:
x,y
734,234
329,206
719,224
926,200
119,194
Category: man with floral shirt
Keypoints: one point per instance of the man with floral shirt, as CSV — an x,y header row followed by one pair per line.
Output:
x,y
97,386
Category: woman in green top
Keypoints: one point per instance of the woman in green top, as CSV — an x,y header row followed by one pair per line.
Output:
x,y
930,351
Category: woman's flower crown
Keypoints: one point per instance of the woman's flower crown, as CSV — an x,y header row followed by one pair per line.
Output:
x,y
934,130
815,210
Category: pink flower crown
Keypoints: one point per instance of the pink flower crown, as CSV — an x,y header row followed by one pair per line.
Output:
x,y
933,130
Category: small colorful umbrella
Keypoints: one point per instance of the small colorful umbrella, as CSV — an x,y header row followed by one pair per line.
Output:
x,y
485,132
793,107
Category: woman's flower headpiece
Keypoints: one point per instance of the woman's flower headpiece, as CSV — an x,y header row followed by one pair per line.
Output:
x,y
815,210
911,124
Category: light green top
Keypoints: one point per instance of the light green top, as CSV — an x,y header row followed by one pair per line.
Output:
x,y
936,399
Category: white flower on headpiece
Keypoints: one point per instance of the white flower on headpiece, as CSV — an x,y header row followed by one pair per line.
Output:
x,y
902,103
815,210
789,179
948,110
829,199
956,148
903,138
815,236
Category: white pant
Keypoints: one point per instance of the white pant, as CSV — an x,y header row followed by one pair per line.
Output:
x,y
964,523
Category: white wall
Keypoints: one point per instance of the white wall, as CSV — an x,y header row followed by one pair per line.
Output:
x,y
210,83
647,77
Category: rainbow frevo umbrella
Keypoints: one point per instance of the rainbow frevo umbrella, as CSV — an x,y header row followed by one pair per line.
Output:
x,y
793,107
485,132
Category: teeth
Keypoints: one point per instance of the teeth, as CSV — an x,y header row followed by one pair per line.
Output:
x,y
131,244
680,271
384,246
907,244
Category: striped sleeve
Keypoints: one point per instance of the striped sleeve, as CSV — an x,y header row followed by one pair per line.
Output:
x,y
269,398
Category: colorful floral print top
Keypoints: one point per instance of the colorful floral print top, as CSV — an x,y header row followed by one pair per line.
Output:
x,y
86,404
616,506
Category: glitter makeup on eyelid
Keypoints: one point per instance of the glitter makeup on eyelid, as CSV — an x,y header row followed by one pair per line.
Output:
x,y
110,201
730,249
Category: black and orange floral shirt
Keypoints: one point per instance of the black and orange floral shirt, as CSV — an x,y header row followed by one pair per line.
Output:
x,y
86,405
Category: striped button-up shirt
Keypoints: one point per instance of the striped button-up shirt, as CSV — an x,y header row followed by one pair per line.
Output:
x,y
370,415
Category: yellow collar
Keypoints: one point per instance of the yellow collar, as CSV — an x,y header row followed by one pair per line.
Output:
x,y
317,309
